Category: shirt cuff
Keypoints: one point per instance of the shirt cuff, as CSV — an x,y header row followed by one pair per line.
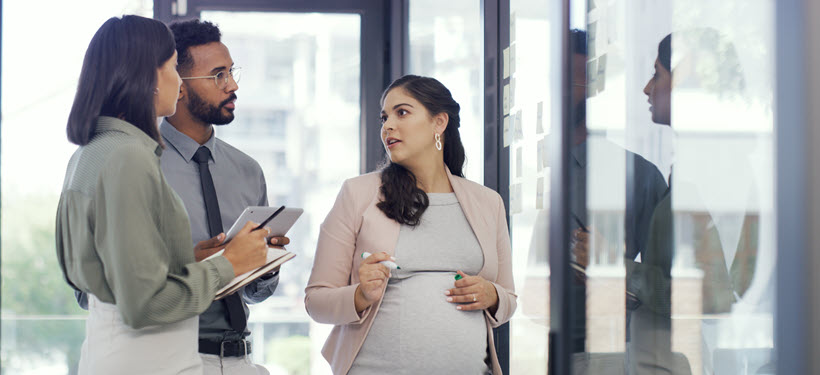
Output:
x,y
266,281
359,317
502,307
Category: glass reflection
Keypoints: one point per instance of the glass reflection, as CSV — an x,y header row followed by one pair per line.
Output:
x,y
669,283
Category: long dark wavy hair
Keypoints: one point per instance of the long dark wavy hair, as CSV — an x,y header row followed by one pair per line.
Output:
x,y
403,200
119,75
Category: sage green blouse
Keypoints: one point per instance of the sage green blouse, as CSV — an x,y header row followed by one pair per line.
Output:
x,y
123,233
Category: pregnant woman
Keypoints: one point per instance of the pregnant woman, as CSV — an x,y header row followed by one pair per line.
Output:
x,y
448,235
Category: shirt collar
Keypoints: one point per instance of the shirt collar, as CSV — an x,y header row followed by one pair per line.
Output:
x,y
106,124
183,144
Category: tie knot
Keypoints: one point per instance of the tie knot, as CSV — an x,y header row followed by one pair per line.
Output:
x,y
202,155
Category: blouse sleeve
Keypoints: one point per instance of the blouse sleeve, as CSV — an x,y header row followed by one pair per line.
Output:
x,y
134,254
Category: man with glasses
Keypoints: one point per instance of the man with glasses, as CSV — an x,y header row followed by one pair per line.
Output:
x,y
216,182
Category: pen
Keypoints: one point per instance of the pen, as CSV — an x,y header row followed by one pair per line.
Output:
x,y
260,226
387,263
580,224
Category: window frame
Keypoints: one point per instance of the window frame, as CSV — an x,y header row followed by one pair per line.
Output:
x,y
375,51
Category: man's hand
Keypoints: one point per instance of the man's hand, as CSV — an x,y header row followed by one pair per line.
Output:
x,y
206,248
279,241
580,247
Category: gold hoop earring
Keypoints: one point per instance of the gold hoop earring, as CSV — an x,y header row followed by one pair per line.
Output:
x,y
438,142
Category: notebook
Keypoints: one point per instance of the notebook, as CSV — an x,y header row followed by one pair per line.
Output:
x,y
276,257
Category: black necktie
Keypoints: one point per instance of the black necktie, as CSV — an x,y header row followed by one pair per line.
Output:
x,y
233,303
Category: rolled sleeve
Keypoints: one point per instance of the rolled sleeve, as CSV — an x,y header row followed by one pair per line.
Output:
x,y
260,289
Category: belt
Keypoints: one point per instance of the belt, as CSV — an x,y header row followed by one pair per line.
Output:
x,y
237,348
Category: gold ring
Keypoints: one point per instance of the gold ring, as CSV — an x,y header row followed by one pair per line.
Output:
x,y
474,298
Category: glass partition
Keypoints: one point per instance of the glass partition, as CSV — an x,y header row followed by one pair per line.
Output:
x,y
43,328
446,44
298,114
672,222
531,109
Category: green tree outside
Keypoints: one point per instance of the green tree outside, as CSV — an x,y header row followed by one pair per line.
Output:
x,y
41,319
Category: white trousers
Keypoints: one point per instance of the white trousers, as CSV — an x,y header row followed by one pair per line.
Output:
x,y
112,347
231,366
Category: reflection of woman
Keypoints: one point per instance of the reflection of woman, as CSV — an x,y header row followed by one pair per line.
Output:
x,y
710,67
649,230
705,64
122,233
436,225
659,88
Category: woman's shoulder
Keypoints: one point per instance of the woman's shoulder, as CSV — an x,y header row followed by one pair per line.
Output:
x,y
357,193
480,191
123,162
117,153
364,183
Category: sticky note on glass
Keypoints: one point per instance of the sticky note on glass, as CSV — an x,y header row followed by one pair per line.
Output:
x,y
512,59
592,36
539,120
512,92
543,149
515,199
519,126
519,162
513,18
600,78
592,75
506,62
539,194
505,100
506,134
511,130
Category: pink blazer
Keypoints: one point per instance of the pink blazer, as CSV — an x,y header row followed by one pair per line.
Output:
x,y
355,225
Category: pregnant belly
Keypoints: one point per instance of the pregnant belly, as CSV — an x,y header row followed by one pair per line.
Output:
x,y
426,332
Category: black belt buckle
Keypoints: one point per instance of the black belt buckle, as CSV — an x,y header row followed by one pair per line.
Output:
x,y
227,348
237,352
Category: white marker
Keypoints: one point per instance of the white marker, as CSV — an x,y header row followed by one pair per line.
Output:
x,y
387,263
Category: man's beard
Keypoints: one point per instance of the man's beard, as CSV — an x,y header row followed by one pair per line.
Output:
x,y
208,113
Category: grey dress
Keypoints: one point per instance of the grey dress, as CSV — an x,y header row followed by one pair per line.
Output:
x,y
416,331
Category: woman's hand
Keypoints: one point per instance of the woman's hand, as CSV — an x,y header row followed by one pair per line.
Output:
x,y
372,277
473,293
248,250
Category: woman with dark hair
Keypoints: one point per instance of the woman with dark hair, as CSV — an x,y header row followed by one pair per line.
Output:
x,y
434,313
122,233
704,65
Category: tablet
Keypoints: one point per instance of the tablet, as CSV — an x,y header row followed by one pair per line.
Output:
x,y
278,226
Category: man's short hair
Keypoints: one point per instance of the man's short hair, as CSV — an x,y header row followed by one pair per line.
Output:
x,y
192,33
